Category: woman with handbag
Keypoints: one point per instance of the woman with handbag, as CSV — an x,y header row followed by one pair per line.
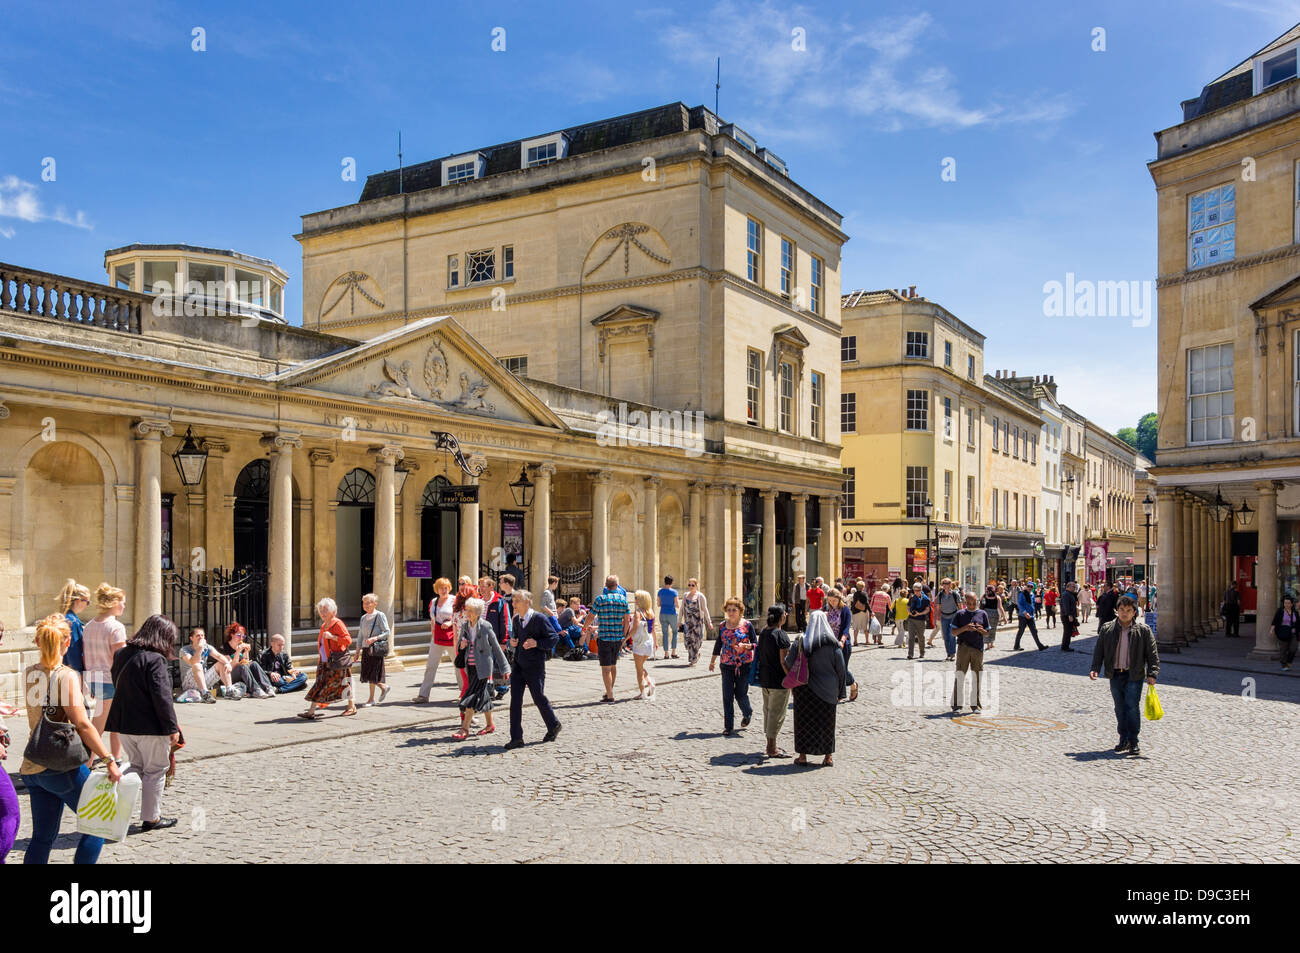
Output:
x,y
374,633
773,643
62,739
639,627
1286,629
442,635
143,715
817,676
480,654
735,647
334,670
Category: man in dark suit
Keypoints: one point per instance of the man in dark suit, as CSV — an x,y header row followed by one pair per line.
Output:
x,y
1069,615
1126,652
533,641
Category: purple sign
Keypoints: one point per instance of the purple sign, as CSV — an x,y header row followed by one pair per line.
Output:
x,y
419,569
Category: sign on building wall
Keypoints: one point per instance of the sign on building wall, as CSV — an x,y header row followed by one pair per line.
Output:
x,y
419,569
450,497
512,539
1095,557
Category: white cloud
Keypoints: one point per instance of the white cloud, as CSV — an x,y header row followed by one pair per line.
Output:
x,y
6,232
21,200
882,71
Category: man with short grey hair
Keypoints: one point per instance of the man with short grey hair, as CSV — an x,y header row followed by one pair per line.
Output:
x,y
533,640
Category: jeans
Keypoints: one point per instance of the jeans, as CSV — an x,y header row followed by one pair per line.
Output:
x,y
847,649
735,690
1231,623
668,631
949,640
251,677
286,685
48,792
1127,695
1288,650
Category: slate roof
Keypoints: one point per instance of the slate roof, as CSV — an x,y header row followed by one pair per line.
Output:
x,y
1236,84
588,137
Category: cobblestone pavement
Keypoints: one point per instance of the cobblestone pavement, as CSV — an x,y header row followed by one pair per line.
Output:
x,y
654,780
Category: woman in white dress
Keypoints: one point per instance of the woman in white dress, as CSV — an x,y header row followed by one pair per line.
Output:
x,y
641,628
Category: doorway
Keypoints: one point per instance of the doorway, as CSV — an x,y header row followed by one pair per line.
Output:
x,y
439,538
354,552
252,516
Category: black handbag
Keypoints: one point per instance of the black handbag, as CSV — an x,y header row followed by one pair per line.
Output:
x,y
461,655
55,745
339,660
380,645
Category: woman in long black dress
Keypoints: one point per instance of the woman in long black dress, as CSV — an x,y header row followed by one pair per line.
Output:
x,y
815,702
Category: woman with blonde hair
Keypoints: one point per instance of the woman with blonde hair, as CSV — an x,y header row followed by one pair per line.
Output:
x,y
442,635
640,626
102,638
73,600
53,692
334,667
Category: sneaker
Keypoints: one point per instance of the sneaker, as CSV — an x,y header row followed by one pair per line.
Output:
x,y
420,699
553,733
1134,749
209,699
384,694
1121,747
162,822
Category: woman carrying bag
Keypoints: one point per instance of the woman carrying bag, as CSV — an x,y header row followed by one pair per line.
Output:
x,y
481,656
1286,629
817,675
374,632
62,740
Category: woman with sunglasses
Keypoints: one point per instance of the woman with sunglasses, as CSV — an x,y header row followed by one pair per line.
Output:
x,y
695,620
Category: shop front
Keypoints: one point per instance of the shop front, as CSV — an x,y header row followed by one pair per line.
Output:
x,y
971,566
1016,557
948,554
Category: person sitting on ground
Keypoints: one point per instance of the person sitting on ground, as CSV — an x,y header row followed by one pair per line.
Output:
x,y
279,668
202,667
242,666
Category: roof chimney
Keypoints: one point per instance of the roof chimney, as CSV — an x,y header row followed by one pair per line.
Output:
x,y
911,291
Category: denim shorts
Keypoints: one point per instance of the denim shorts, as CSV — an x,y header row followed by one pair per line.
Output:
x,y
99,686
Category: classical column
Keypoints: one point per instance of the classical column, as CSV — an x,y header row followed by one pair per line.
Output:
x,y
601,483
693,533
1166,577
542,474
385,572
1196,619
302,601
408,519
650,562
1187,620
717,541
800,539
769,549
12,603
1211,571
738,541
826,545
148,518
279,612
322,546
1266,602
214,511
469,516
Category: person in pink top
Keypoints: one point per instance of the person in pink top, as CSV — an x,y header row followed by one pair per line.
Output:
x,y
101,639
880,603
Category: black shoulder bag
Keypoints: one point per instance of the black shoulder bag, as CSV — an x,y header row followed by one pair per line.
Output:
x,y
55,745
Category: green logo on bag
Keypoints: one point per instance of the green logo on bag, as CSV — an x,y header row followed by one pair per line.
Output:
x,y
99,807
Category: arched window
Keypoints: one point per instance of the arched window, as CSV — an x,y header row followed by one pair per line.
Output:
x,y
433,491
357,487
254,482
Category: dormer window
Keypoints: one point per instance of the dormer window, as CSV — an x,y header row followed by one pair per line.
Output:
x,y
741,136
1276,67
774,161
463,168
543,150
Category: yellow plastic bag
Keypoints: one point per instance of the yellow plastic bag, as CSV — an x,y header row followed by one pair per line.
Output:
x,y
1154,711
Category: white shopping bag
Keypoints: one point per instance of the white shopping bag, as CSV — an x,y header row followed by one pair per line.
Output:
x,y
104,809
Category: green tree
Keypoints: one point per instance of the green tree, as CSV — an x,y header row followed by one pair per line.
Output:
x,y
1129,436
1146,435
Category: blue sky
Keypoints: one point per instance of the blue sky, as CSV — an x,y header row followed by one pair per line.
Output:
x,y
155,142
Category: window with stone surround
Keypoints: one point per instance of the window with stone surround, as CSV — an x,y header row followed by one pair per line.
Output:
x,y
787,268
1209,394
848,348
754,251
817,403
785,375
918,489
848,412
918,345
848,502
817,285
918,410
753,387
1212,226
480,266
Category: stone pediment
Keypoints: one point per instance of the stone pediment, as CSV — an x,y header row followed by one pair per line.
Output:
x,y
1286,294
434,363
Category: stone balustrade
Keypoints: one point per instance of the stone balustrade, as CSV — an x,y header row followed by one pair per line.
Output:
x,y
61,298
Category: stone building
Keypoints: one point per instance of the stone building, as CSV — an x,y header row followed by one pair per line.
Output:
x,y
1111,507
1013,421
1228,454
632,334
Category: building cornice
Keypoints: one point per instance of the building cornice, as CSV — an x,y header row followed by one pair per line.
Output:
x,y
1237,264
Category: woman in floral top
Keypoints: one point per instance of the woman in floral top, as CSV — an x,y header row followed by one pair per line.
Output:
x,y
735,643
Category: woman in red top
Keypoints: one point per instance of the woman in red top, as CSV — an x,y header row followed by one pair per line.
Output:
x,y
331,683
1049,603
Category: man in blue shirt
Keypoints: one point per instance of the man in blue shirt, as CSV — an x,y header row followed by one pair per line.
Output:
x,y
1025,607
610,612
970,627
669,601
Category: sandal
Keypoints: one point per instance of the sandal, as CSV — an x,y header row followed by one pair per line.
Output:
x,y
460,735
308,715
801,761
349,711
486,731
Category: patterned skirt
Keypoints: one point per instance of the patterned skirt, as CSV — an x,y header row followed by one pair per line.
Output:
x,y
814,723
480,695
331,684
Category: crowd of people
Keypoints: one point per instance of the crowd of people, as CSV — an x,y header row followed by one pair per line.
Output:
x,y
113,697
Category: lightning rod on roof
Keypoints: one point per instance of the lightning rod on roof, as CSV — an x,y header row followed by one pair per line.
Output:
x,y
399,162
717,85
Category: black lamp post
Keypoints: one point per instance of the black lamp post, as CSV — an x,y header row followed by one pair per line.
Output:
x,y
928,507
1148,509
